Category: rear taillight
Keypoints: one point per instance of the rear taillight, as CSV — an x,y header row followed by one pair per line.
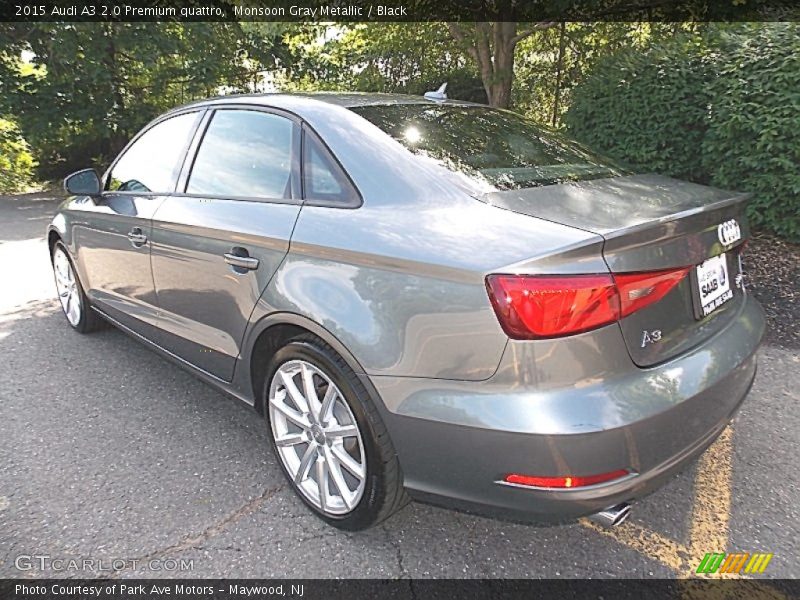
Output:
x,y
535,306
538,307
637,290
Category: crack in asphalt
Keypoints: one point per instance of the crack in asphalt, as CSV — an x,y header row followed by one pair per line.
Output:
x,y
398,553
195,541
404,574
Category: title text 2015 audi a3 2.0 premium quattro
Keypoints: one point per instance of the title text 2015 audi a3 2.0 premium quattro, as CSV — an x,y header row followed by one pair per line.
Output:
x,y
423,298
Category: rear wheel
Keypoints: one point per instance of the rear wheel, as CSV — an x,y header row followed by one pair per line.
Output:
x,y
329,439
73,300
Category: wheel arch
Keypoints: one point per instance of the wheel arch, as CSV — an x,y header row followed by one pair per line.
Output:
x,y
59,227
53,236
272,332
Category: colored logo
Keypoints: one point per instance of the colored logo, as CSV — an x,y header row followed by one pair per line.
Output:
x,y
739,562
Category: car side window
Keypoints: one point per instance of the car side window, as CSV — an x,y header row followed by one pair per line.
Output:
x,y
244,153
152,162
323,178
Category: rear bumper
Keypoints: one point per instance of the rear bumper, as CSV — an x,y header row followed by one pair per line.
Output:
x,y
455,440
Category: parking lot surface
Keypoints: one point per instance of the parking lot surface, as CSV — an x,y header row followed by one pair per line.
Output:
x,y
108,452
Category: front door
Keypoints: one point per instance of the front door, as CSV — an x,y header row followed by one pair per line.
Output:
x,y
217,245
114,237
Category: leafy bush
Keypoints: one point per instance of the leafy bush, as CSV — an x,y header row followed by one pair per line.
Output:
x,y
647,109
753,140
16,162
722,109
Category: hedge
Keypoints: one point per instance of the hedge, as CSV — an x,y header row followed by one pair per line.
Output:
x,y
722,110
753,141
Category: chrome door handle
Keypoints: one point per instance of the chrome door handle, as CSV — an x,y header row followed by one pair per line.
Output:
x,y
241,262
136,237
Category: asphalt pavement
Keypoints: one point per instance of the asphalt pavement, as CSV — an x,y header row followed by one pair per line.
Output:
x,y
110,453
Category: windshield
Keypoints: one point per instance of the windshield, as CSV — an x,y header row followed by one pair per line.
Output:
x,y
504,148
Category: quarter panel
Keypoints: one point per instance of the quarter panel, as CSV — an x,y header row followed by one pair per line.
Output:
x,y
394,321
402,284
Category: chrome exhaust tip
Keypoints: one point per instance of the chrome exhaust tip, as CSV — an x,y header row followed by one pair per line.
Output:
x,y
612,516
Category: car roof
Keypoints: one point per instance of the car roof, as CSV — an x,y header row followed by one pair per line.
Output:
x,y
354,99
295,102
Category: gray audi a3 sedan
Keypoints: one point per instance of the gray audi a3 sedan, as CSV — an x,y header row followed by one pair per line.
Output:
x,y
423,298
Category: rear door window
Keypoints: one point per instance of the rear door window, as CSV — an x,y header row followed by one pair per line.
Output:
x,y
244,153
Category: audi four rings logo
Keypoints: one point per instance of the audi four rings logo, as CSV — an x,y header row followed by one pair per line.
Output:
x,y
729,232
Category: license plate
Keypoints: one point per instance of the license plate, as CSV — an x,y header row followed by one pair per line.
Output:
x,y
713,284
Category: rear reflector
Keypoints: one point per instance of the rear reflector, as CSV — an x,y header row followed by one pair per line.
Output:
x,y
565,482
534,306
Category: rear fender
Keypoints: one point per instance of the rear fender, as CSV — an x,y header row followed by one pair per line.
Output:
x,y
260,325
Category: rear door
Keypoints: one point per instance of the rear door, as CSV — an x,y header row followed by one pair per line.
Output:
x,y
219,240
114,236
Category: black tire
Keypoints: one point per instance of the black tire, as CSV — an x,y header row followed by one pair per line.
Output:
x,y
383,493
89,320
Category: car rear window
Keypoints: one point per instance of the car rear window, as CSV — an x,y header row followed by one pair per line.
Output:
x,y
508,150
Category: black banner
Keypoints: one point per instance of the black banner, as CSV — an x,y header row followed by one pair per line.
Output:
x,y
399,10
450,589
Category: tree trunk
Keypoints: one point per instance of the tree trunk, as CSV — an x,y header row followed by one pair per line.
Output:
x,y
492,48
115,138
559,72
503,79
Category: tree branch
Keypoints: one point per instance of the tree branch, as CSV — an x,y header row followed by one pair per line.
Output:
x,y
528,32
461,38
456,32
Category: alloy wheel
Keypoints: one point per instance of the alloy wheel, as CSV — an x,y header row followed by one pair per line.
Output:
x,y
67,286
317,437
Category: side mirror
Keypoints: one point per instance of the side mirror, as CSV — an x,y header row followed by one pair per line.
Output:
x,y
83,183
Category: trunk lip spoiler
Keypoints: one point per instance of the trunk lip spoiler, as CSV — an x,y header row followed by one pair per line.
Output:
x,y
739,198
492,198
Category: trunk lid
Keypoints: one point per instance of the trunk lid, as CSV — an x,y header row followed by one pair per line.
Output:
x,y
652,223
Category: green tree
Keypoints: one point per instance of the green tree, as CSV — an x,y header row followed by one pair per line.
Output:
x,y
717,106
753,137
648,108
408,58
551,62
96,84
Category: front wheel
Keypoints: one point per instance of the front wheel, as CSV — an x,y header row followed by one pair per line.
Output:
x,y
74,302
329,439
